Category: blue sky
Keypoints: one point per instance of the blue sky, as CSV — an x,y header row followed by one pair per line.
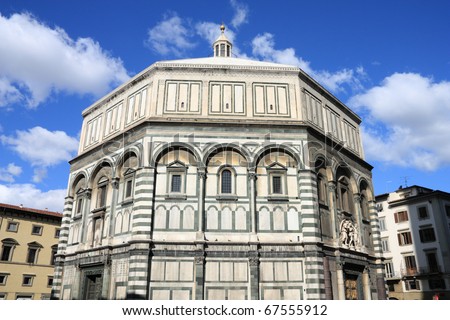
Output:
x,y
388,60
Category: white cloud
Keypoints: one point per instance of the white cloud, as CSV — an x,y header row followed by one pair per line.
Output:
x,y
36,61
263,46
39,174
409,121
29,196
240,13
8,93
9,173
170,36
42,148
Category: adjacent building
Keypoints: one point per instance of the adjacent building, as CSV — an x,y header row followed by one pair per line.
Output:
x,y
415,237
28,245
220,178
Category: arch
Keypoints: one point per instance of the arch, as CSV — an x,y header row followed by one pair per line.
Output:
x,y
167,147
99,166
214,149
133,150
342,169
365,185
261,152
78,177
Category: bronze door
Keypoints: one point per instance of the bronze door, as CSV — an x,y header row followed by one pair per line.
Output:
x,y
93,287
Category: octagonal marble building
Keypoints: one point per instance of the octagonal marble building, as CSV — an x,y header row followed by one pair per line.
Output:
x,y
219,178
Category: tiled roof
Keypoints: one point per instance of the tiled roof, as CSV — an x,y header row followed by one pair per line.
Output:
x,y
31,210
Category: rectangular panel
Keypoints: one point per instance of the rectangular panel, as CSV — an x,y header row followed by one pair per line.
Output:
x,y
216,294
293,220
295,271
212,271
194,105
278,221
282,101
236,294
272,294
266,269
137,105
271,103
240,271
227,107
180,295
186,271
172,270
130,110
157,273
226,220
174,219
292,294
87,139
183,97
259,100
239,99
264,220
215,98
98,130
162,294
108,126
226,271
240,219
212,219
171,97
280,270
118,117
143,103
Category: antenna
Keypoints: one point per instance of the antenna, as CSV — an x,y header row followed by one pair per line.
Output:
x,y
405,178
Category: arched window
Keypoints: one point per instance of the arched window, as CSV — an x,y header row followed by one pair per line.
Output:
x,y
226,186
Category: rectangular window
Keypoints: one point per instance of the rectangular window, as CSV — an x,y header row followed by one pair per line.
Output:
x,y
412,285
57,233
31,256
391,286
389,268
3,278
128,188
2,296
436,284
410,264
49,281
422,212
53,256
432,262
401,216
36,230
447,210
101,199
27,280
79,205
6,252
12,227
385,244
404,238
382,222
427,235
175,185
276,185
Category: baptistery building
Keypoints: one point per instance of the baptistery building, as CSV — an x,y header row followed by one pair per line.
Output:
x,y
219,178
